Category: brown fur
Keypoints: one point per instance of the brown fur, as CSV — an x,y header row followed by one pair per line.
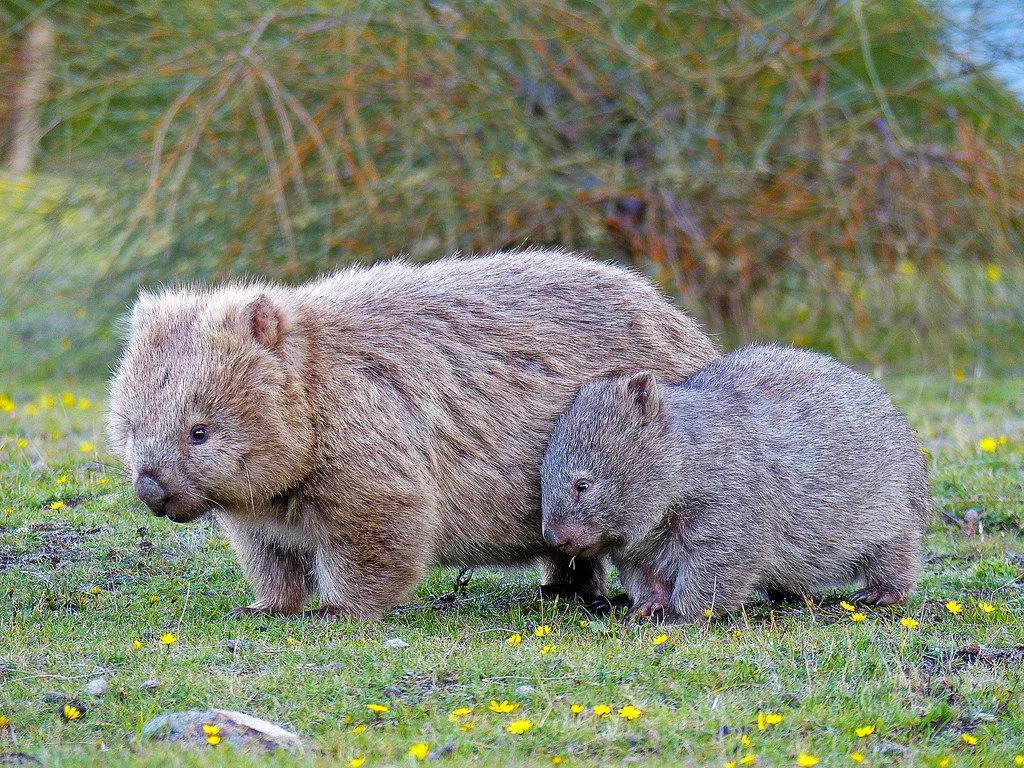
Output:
x,y
378,421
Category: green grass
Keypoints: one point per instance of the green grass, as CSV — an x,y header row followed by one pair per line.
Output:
x,y
700,692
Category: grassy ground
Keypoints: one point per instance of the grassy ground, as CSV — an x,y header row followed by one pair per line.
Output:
x,y
90,584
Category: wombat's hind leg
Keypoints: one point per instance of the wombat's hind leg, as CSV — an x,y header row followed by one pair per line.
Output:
x,y
889,572
572,578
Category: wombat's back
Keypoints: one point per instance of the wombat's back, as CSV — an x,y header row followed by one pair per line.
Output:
x,y
470,361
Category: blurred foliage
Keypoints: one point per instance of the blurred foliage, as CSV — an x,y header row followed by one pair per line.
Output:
x,y
781,168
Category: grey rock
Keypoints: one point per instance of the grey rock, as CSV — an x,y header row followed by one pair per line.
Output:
x,y
149,685
395,644
240,730
525,690
96,687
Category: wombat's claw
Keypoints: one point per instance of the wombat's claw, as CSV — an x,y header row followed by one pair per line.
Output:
x,y
325,613
241,613
880,596
649,611
602,605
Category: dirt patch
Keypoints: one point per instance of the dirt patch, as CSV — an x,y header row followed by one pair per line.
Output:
x,y
48,544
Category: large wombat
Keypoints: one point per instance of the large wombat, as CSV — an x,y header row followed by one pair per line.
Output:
x,y
771,468
352,432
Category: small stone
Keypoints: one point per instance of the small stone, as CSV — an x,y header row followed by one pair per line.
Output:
x,y
147,686
96,687
238,729
395,644
235,646
524,690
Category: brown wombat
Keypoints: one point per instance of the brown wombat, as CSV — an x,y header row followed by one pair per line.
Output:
x,y
350,433
772,468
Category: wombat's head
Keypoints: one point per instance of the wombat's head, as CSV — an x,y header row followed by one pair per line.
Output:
x,y
601,475
207,409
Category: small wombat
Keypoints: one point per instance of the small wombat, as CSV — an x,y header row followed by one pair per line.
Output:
x,y
772,468
349,433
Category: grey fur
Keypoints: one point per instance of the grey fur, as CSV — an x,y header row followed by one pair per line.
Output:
x,y
772,468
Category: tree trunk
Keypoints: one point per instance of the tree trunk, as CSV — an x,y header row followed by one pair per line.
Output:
x,y
35,59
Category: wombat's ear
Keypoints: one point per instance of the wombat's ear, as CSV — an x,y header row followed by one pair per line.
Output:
x,y
642,390
263,320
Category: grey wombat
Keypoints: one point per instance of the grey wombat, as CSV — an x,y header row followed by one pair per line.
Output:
x,y
349,433
772,468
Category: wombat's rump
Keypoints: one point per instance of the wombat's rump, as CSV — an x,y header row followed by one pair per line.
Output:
x,y
351,432
776,469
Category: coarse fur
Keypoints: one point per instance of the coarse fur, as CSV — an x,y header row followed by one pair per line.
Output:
x,y
358,429
772,468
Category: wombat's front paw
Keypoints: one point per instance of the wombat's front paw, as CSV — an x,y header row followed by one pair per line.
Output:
x,y
602,605
647,610
879,595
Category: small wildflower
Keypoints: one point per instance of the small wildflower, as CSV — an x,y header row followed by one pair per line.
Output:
x,y
6,404
459,712
419,750
954,607
602,710
168,638
67,399
550,648
8,510
1001,440
905,268
846,606
745,740
737,634
943,762
84,404
730,764
377,709
557,760
57,505
908,622
806,760
576,708
212,733
47,401
103,480
660,639
95,591
1018,760
71,712
519,727
136,644
958,374
865,730
22,442
467,727
153,599
708,613
357,729
747,759
968,739
62,479
856,757
505,707
993,273
515,639
4,721
764,720
30,409
583,625
856,617
543,630
629,712
986,607
987,444
355,762
85,447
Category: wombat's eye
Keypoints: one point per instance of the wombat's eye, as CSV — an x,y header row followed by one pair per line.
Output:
x,y
198,434
582,486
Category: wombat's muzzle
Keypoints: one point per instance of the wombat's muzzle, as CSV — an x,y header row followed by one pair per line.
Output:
x,y
572,538
151,493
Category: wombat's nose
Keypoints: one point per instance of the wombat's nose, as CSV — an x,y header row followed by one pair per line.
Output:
x,y
152,493
568,536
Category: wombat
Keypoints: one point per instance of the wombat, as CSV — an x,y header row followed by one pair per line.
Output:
x,y
349,433
773,469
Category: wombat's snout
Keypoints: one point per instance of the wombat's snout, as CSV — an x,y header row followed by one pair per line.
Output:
x,y
151,493
571,537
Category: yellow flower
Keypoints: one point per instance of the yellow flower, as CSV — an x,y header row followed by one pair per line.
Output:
x,y
4,721
987,444
846,606
71,712
857,617
908,622
602,710
865,731
47,401
8,510
773,718
22,442
968,739
806,760
993,273
583,625
730,764
515,639
905,268
954,607
67,399
6,404
737,634
958,374
542,631
419,750
153,599
1001,440
95,591
211,730
660,639
57,505
505,707
355,762
856,757
103,480
377,709
1018,760
747,759
576,708
30,409
629,712
55,435
213,740
85,447
942,762
168,638
708,613
557,760
519,727
84,404
550,648
62,479
459,712
986,607
136,644
361,728
467,727
745,740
